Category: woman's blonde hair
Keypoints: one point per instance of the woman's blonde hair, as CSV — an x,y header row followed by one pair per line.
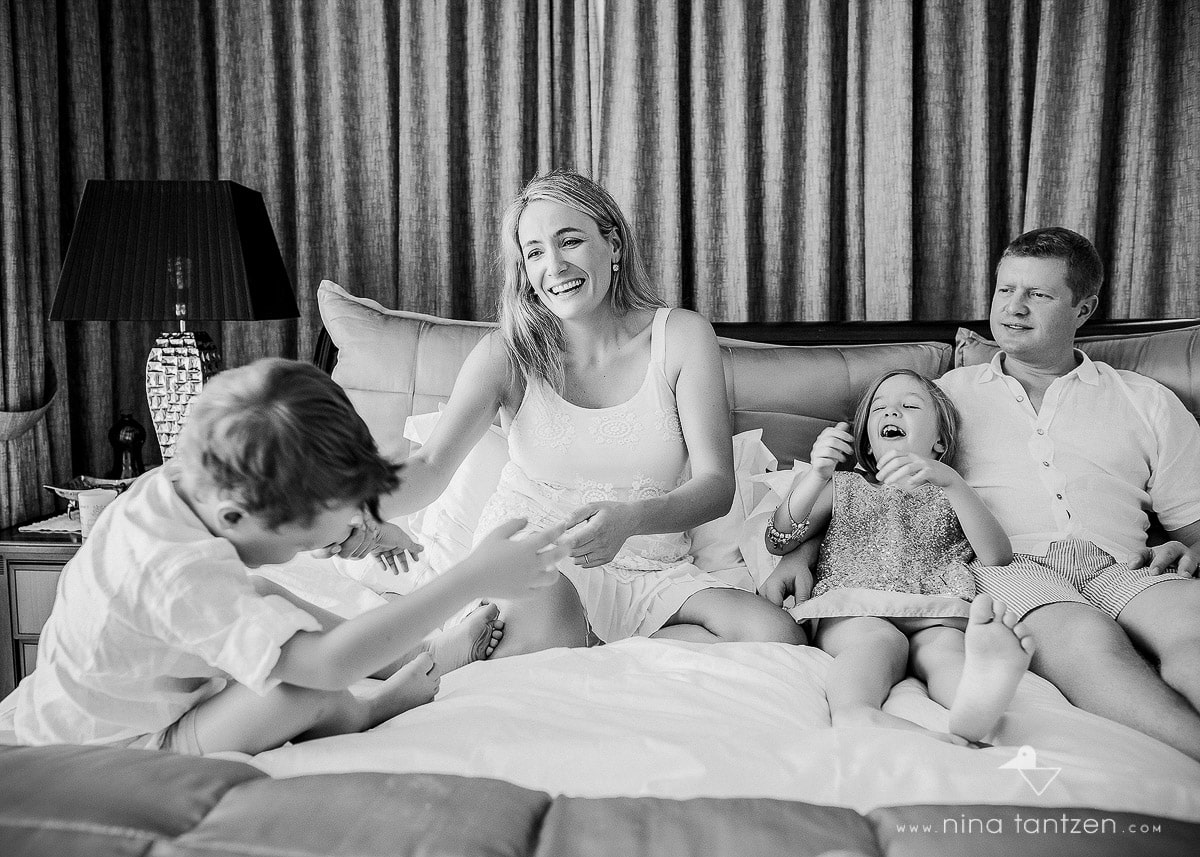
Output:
x,y
533,336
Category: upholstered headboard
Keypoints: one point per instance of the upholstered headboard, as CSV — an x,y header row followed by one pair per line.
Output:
x,y
394,364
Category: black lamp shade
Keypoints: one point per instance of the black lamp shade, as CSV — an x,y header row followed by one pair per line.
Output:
x,y
165,250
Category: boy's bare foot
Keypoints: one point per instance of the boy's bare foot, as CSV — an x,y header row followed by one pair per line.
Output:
x,y
998,649
472,639
865,715
415,683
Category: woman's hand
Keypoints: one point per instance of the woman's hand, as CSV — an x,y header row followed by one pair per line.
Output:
x,y
384,540
832,446
598,530
907,470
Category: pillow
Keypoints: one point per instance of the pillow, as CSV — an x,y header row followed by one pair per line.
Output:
x,y
971,349
715,544
447,525
759,561
393,364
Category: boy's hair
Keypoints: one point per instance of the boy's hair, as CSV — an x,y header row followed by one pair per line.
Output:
x,y
282,439
1085,271
947,417
532,334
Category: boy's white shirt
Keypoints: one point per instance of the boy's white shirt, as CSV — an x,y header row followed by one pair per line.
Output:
x,y
153,616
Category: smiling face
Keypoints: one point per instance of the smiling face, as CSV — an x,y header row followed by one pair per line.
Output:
x,y
1034,315
902,416
257,544
567,260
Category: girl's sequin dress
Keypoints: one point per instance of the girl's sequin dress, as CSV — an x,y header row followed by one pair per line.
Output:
x,y
907,546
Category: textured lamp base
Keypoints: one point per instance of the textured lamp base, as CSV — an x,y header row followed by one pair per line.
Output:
x,y
179,365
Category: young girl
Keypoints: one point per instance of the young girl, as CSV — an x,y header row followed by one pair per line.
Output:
x,y
893,593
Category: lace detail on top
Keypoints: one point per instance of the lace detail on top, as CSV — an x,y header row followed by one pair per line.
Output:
x,y
622,428
564,455
883,538
553,428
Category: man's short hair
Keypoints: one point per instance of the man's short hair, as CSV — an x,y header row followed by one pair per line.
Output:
x,y
282,439
1085,271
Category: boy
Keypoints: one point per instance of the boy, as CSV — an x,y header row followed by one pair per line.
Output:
x,y
158,637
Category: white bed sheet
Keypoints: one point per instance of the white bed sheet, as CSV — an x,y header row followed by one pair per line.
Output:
x,y
677,720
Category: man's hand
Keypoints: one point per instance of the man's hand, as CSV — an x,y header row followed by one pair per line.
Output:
x,y
1169,556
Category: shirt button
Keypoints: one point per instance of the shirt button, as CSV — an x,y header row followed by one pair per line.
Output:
x,y
1045,464
1059,496
1020,398
1041,431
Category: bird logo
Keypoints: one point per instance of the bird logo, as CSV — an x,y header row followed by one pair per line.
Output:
x,y
1025,763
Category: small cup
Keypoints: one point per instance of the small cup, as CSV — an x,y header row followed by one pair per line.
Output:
x,y
91,504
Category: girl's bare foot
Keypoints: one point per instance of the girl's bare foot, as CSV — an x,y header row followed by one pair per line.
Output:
x,y
998,649
472,639
865,715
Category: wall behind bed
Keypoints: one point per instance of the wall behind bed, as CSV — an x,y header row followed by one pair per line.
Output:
x,y
820,160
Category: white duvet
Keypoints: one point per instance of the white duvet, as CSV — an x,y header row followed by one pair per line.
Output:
x,y
678,720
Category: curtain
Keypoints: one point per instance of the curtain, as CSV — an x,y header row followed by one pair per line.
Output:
x,y
33,450
869,159
384,137
828,159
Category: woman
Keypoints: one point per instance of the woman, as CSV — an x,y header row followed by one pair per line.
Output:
x,y
617,423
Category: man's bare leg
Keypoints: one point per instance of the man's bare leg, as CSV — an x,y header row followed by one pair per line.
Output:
x,y
1165,621
1090,658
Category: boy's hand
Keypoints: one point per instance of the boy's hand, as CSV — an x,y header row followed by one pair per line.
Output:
x,y
832,446
513,566
789,578
907,470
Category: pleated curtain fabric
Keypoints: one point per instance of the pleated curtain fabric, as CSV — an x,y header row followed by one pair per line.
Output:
x,y
780,160
869,159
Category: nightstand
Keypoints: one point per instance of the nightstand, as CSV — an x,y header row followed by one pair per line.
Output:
x,y
29,567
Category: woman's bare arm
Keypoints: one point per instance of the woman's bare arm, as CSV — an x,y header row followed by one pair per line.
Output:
x,y
474,402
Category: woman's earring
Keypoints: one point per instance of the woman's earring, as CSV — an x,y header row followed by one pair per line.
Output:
x,y
616,267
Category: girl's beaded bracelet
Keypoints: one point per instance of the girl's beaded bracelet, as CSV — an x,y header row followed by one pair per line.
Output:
x,y
781,540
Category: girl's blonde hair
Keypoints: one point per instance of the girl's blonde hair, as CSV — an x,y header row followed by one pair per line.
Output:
x,y
943,408
533,336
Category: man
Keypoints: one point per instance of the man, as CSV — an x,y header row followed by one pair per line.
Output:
x,y
1072,456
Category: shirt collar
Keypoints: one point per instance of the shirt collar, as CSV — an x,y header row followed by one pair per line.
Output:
x,y
1085,370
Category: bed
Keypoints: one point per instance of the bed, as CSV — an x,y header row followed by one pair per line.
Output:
x,y
662,747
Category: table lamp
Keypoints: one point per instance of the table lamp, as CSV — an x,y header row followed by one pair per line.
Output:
x,y
173,251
